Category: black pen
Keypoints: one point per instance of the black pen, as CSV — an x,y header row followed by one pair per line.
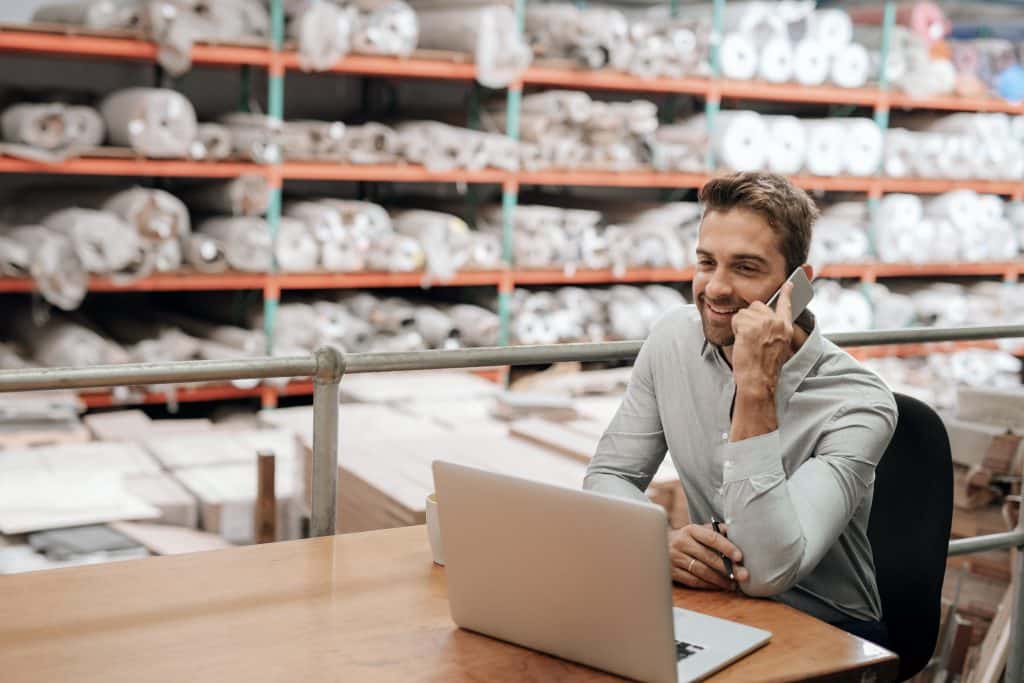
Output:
x,y
728,562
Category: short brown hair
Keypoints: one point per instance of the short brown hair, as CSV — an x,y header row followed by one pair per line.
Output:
x,y
784,206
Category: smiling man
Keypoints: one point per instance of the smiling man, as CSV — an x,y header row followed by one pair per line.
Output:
x,y
773,429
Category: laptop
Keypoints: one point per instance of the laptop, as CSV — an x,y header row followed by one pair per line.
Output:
x,y
576,574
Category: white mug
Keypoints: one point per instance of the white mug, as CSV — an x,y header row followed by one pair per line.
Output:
x,y
434,530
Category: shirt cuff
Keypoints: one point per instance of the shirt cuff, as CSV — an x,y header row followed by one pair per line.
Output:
x,y
758,455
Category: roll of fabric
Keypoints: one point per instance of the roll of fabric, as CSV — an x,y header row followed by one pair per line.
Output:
x,y
339,327
810,62
385,27
154,122
786,144
840,310
95,14
824,146
831,28
776,61
370,143
901,209
738,57
295,247
476,325
305,140
445,240
840,236
488,33
396,254
323,32
53,127
594,37
63,341
246,241
104,243
851,66
739,140
255,137
245,195
212,143
176,25
49,258
205,254
862,146
155,214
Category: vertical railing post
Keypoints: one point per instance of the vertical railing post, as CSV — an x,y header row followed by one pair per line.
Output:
x,y
1015,657
330,368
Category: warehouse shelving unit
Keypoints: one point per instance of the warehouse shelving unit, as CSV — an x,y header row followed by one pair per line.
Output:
x,y
277,59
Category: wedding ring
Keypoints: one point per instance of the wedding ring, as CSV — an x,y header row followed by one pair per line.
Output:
x,y
690,568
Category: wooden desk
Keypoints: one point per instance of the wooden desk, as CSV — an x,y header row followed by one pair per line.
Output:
x,y
359,607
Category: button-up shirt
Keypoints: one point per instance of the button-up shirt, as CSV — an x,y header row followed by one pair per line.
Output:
x,y
796,500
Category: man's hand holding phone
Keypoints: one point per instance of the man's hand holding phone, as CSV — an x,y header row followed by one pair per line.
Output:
x,y
765,338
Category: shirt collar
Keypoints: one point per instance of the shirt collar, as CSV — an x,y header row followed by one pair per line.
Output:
x,y
795,369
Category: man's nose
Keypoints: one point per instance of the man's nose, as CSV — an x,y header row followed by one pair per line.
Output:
x,y
719,286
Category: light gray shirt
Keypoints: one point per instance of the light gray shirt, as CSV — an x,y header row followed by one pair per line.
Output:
x,y
797,500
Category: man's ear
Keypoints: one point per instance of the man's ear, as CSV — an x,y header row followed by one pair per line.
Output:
x,y
808,271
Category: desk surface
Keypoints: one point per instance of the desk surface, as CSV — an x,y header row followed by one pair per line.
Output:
x,y
358,607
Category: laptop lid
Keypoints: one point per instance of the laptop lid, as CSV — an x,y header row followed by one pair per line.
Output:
x,y
575,574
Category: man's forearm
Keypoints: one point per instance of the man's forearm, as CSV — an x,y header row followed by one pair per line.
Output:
x,y
754,413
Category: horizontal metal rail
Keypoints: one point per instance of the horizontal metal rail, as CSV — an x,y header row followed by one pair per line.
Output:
x,y
327,366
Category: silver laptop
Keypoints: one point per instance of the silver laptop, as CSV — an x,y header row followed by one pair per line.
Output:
x,y
579,575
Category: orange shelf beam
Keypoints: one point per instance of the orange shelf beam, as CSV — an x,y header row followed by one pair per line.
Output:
x,y
872,271
422,64
184,394
376,279
907,350
107,166
953,103
580,277
397,173
794,92
59,40
608,79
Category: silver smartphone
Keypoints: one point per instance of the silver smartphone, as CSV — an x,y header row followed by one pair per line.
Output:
x,y
802,293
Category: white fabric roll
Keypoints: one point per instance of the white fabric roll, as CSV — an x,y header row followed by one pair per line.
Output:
x,y
862,146
295,246
738,57
212,143
323,31
205,254
53,126
787,144
96,14
49,258
851,66
899,153
488,33
104,243
154,122
832,28
445,239
388,27
776,61
155,214
811,62
738,140
900,209
824,146
246,241
961,207
246,195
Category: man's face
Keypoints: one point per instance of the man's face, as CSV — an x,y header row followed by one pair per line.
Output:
x,y
738,263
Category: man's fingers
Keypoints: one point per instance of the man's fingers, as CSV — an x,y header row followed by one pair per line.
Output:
x,y
690,581
784,306
706,536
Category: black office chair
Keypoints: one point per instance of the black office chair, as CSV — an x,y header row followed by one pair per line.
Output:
x,y
909,529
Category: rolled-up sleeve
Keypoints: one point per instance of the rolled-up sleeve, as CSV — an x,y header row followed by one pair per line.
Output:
x,y
784,527
633,445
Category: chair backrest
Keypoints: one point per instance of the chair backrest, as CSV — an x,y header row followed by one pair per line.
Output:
x,y
911,515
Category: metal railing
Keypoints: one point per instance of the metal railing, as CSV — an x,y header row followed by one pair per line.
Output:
x,y
327,366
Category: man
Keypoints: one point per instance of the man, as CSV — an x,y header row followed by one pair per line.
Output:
x,y
773,429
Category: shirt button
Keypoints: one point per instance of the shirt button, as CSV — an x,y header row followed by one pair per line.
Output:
x,y
725,436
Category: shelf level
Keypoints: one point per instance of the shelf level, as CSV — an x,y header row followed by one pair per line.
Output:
x,y
193,281
909,350
70,41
